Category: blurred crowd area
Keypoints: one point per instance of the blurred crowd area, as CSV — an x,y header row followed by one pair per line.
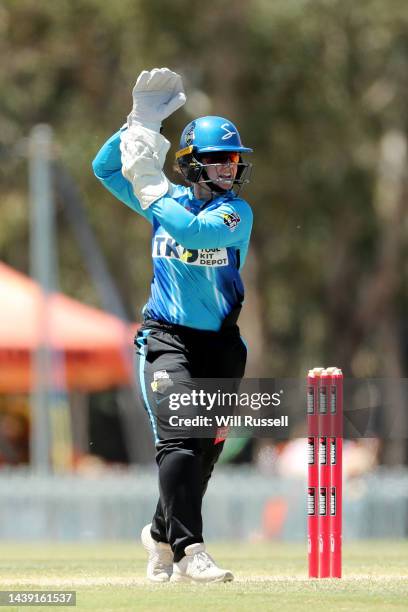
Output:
x,y
99,442
99,491
102,482
14,430
318,89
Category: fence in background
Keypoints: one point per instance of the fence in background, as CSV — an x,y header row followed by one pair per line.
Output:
x,y
240,504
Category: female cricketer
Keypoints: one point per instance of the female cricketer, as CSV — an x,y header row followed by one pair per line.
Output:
x,y
200,236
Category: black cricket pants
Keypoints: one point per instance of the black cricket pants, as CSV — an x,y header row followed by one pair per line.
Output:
x,y
164,353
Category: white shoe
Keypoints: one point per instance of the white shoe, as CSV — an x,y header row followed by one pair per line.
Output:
x,y
160,563
198,566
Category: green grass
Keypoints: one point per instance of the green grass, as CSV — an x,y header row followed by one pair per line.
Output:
x,y
269,576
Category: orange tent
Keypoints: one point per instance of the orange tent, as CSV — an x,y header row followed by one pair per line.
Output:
x,y
96,346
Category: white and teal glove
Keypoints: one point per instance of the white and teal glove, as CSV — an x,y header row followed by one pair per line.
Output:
x,y
157,94
143,153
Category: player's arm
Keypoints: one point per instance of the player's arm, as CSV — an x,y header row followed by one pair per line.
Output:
x,y
227,225
107,167
131,163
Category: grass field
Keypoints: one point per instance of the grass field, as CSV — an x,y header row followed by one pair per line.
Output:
x,y
268,577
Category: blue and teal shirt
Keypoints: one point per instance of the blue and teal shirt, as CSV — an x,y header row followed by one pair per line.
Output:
x,y
198,247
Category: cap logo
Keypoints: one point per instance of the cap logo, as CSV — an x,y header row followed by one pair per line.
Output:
x,y
228,134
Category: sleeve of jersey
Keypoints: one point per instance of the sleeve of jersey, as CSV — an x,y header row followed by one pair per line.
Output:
x,y
107,167
227,225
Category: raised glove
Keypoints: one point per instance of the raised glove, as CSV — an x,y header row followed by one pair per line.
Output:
x,y
157,94
143,153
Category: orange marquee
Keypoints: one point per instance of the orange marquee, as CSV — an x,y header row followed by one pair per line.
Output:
x,y
96,346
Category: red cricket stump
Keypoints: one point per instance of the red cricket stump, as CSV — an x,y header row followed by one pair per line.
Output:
x,y
324,475
312,517
313,473
325,432
336,474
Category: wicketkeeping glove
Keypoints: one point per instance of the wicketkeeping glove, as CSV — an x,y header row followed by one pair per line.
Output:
x,y
143,153
157,94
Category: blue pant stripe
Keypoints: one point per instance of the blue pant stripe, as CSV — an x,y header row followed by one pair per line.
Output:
x,y
142,362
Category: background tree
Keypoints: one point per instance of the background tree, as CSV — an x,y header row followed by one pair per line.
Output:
x,y
318,89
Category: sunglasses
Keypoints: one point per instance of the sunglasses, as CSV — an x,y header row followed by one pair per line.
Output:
x,y
220,157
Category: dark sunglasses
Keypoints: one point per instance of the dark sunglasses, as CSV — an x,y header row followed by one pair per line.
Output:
x,y
220,157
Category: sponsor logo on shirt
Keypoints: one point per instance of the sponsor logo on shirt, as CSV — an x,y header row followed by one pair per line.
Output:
x,y
165,246
231,220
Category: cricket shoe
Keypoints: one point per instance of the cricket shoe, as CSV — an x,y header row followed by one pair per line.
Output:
x,y
160,563
199,566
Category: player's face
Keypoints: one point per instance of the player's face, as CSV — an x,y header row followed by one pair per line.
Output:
x,y
221,167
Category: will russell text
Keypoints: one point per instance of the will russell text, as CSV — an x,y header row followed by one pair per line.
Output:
x,y
228,421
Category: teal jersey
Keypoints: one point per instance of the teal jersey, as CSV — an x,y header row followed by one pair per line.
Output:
x,y
198,247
